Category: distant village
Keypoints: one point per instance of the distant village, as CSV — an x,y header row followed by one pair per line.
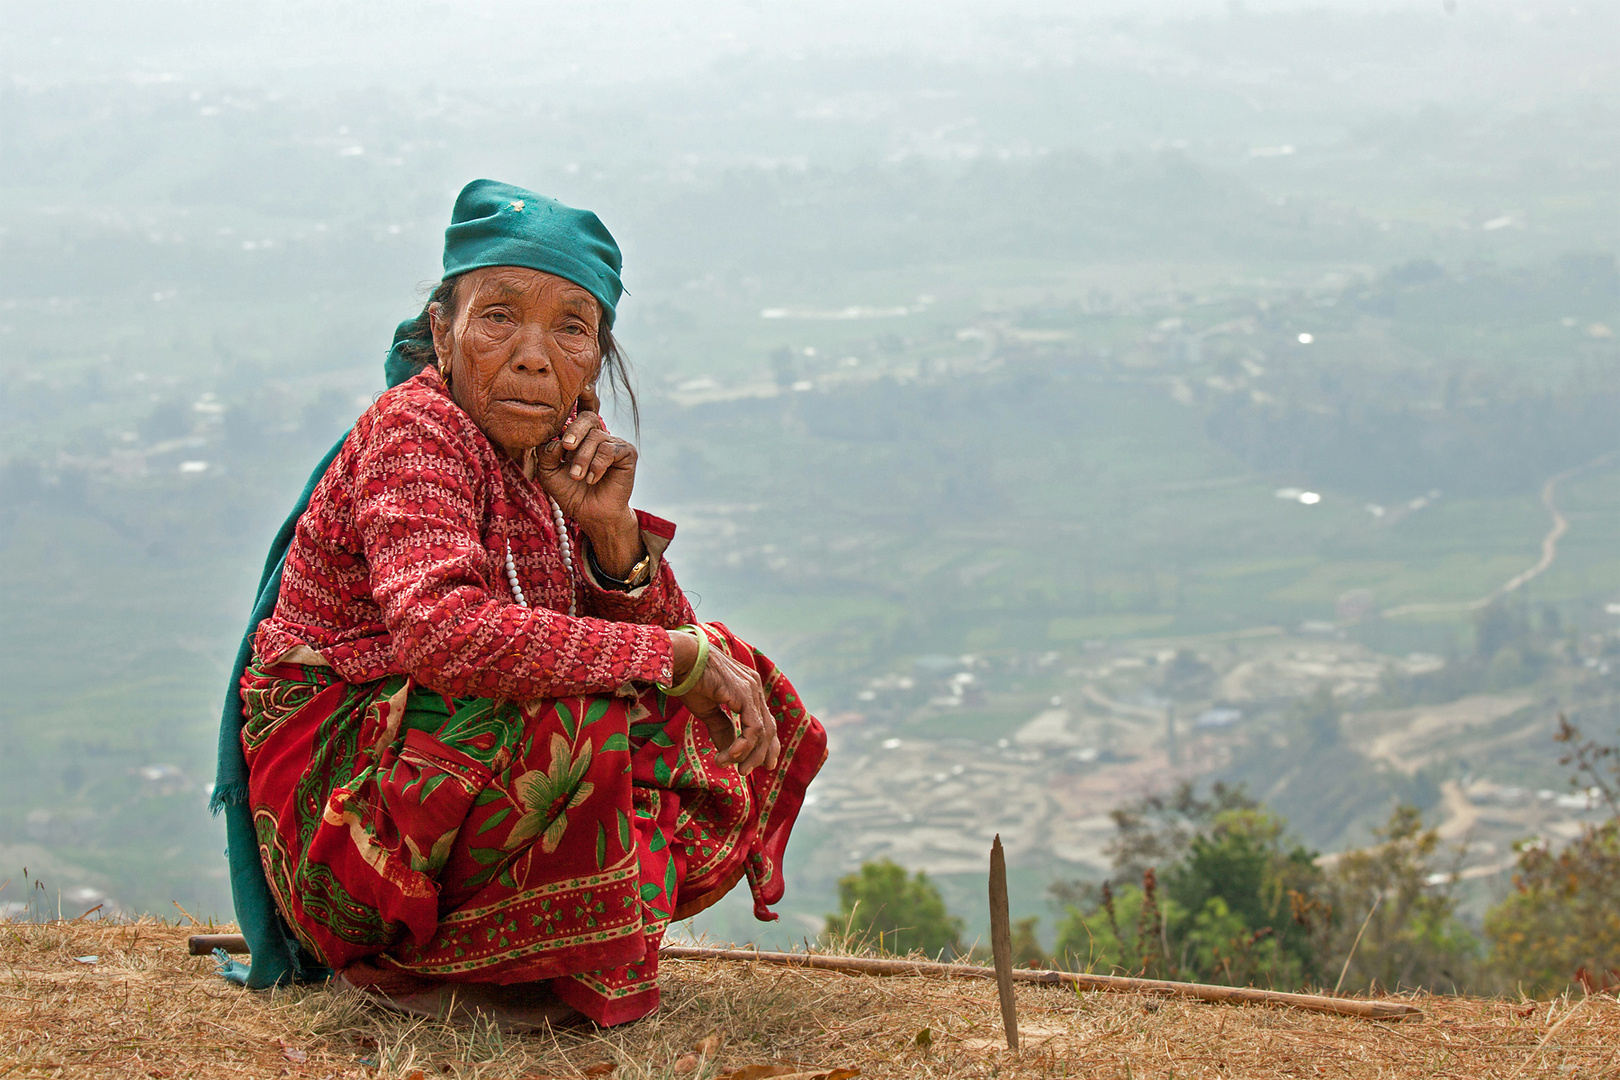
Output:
x,y
1122,728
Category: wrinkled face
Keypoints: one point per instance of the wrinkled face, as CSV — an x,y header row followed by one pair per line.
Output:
x,y
520,346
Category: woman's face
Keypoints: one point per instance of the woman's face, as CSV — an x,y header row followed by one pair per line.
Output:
x,y
521,345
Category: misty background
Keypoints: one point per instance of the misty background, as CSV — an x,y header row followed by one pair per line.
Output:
x,y
990,357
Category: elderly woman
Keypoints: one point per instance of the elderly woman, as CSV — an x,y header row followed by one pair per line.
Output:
x,y
479,750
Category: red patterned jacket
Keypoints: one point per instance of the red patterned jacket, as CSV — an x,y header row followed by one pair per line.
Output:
x,y
399,565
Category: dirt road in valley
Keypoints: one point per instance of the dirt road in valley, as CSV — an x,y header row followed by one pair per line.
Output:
x,y
1549,549
1407,738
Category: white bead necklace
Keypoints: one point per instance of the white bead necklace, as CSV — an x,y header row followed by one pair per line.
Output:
x,y
567,558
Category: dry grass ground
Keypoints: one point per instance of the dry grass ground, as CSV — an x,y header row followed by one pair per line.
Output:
x,y
144,1008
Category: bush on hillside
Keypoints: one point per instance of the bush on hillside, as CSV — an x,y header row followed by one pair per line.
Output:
x,y
1561,924
1237,903
880,907
1396,897
1227,896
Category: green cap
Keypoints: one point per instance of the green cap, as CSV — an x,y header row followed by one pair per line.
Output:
x,y
495,224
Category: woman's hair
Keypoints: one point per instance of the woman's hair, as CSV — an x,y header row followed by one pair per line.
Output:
x,y
417,348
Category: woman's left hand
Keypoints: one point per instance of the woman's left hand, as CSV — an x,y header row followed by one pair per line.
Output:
x,y
727,691
591,474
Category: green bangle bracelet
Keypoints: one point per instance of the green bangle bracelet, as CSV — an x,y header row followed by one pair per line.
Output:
x,y
685,685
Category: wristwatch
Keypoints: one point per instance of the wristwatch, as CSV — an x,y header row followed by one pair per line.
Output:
x,y
639,575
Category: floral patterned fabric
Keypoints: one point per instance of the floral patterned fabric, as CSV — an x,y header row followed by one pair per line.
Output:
x,y
471,839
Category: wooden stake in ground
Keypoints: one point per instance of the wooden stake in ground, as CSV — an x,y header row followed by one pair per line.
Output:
x,y
1352,954
1001,941
203,944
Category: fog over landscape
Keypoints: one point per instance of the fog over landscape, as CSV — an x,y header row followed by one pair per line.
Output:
x,y
1074,399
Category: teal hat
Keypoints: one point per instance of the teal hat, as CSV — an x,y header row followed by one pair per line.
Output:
x,y
495,224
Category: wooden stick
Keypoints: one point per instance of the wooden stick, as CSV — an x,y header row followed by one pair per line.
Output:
x,y
1352,954
204,944
1232,995
1001,942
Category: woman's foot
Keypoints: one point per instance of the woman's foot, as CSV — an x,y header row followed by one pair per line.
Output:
x,y
515,1009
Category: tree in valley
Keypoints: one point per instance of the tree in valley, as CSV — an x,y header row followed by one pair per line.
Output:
x,y
1225,895
1561,923
1398,925
880,907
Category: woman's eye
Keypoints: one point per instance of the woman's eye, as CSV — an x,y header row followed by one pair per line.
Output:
x,y
498,316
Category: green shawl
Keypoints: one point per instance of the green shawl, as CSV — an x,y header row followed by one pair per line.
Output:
x,y
276,955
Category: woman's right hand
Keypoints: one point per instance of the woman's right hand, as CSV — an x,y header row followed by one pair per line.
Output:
x,y
728,687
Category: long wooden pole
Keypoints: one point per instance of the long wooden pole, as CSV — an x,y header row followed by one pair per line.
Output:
x,y
1001,942
203,944
1234,995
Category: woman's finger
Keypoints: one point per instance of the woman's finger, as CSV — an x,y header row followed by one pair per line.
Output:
x,y
580,460
596,454
735,705
609,453
773,743
736,743
583,423
742,747
774,752
757,724
750,753
588,399
552,455
722,732
731,695
770,744
754,722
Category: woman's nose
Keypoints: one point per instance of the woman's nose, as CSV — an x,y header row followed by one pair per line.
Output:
x,y
532,353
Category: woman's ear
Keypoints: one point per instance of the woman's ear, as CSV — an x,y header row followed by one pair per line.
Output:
x,y
441,333
588,399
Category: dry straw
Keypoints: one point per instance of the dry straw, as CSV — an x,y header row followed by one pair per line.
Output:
x,y
100,999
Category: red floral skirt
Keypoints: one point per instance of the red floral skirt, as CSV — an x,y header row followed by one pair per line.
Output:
x,y
465,839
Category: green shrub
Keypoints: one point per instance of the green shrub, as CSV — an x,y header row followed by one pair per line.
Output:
x,y
1561,924
880,907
